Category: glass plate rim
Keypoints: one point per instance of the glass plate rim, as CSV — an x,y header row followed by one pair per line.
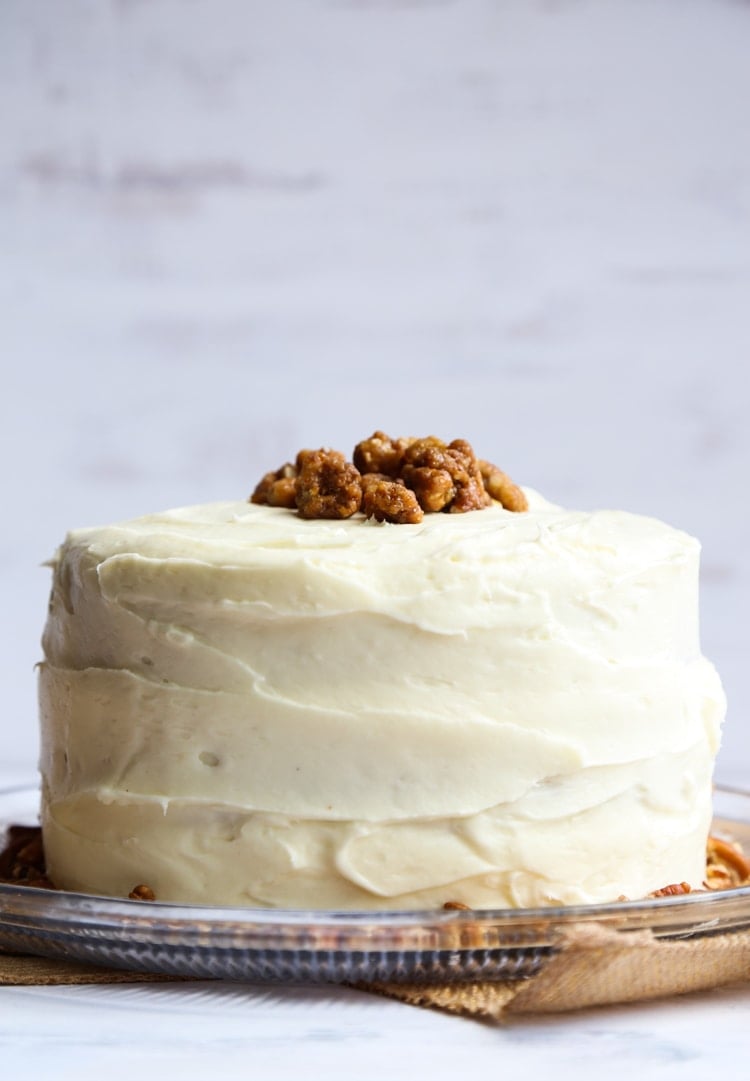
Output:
x,y
681,914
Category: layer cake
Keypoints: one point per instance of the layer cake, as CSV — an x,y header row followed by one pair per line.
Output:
x,y
240,706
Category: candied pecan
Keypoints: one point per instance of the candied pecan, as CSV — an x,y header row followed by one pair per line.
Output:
x,y
501,487
457,462
428,451
142,893
470,496
327,485
260,492
299,461
672,890
380,454
276,489
432,487
388,500
464,447
282,493
457,906
443,477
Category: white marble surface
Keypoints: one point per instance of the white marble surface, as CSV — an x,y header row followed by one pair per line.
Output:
x,y
230,229
241,1031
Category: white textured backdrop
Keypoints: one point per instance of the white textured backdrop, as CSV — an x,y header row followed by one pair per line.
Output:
x,y
229,229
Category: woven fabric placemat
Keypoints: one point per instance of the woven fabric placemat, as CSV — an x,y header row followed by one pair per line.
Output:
x,y
23,970
594,967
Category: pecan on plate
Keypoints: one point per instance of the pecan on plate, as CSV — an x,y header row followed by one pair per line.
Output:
x,y
673,890
142,893
727,866
22,858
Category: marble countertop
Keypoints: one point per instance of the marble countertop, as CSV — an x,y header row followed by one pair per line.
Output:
x,y
240,1031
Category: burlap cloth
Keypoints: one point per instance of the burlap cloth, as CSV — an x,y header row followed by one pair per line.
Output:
x,y
595,967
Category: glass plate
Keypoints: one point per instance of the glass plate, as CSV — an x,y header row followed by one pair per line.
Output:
x,y
291,946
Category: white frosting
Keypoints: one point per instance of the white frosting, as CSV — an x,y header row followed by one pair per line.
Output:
x,y
242,707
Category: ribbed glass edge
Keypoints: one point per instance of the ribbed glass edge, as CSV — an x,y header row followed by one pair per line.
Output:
x,y
25,910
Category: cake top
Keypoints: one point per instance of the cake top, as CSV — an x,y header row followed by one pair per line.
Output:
x,y
447,572
239,533
444,571
342,512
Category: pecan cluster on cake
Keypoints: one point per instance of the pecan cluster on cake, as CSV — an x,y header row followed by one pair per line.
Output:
x,y
390,480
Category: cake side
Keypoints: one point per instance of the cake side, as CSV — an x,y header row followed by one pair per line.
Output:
x,y
242,707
